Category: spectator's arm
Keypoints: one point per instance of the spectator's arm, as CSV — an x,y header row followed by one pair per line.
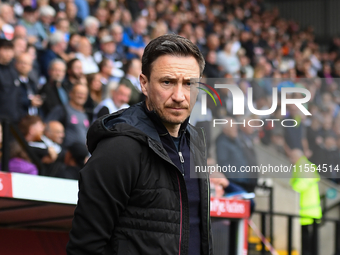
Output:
x,y
83,9
130,43
51,157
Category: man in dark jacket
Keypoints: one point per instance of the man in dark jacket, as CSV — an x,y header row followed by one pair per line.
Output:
x,y
55,90
138,193
9,83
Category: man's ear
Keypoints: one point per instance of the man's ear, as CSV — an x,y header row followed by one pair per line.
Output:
x,y
144,83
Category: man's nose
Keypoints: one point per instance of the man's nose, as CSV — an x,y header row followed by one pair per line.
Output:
x,y
178,93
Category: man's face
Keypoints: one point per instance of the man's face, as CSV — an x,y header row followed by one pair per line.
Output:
x,y
168,90
24,64
85,47
109,47
30,17
56,132
77,70
20,46
7,14
64,26
139,26
57,72
117,34
6,55
79,95
121,96
37,130
91,30
107,70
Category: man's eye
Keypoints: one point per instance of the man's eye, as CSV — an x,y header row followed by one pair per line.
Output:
x,y
166,82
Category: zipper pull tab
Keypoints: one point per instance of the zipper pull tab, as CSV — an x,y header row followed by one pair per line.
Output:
x,y
181,157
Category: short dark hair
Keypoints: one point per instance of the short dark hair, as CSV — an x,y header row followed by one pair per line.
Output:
x,y
70,63
6,44
170,44
26,122
103,63
128,64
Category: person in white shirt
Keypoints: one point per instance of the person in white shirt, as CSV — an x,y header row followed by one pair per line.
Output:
x,y
85,57
119,99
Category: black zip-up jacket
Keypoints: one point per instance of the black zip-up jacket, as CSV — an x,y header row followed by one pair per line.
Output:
x,y
132,197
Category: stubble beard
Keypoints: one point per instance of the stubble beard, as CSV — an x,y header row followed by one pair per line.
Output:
x,y
166,118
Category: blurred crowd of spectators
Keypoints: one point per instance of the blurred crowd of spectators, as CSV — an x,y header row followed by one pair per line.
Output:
x,y
64,63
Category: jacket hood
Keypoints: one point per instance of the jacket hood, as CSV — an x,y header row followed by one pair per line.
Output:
x,y
131,122
136,123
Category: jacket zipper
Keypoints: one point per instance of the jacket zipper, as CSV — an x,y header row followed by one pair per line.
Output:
x,y
180,197
181,158
208,185
180,225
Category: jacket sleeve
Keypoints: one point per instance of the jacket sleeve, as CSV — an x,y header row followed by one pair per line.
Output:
x,y
105,185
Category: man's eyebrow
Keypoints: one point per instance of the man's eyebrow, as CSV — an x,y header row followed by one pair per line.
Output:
x,y
168,77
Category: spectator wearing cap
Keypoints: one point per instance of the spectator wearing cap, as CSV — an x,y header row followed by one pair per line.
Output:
x,y
47,14
116,31
107,49
84,52
91,28
9,83
8,20
57,47
35,30
133,38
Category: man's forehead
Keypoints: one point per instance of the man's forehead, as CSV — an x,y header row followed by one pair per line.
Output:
x,y
184,67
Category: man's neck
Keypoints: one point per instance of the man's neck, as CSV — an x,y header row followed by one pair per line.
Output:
x,y
172,129
76,106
